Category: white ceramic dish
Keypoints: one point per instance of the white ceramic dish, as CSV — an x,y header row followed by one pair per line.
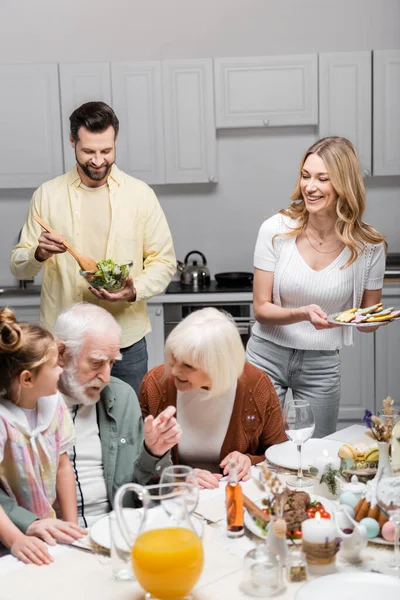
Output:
x,y
285,454
331,319
100,531
350,586
254,528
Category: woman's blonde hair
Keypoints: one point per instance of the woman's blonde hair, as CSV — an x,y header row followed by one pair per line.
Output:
x,y
341,161
208,339
23,347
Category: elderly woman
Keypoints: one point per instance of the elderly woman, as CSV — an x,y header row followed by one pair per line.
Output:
x,y
226,407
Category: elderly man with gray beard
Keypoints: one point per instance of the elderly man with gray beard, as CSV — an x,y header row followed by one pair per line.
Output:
x,y
113,445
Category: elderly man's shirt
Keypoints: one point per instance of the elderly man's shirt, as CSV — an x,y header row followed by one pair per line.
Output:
x,y
87,462
138,231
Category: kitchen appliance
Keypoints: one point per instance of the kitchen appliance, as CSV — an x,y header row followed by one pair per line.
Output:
x,y
193,274
242,313
234,279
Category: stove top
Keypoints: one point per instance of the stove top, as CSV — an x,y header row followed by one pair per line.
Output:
x,y
175,287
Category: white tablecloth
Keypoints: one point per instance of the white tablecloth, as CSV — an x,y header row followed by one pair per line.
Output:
x,y
78,575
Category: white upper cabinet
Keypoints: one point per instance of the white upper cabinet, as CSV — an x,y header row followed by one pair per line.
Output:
x,y
30,125
266,91
137,99
79,83
345,101
189,125
387,112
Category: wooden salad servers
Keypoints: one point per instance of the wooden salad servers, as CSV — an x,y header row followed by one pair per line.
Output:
x,y
85,262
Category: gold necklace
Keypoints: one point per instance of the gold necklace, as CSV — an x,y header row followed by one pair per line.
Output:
x,y
322,232
322,251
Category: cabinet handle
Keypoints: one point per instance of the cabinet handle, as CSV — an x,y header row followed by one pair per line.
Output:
x,y
265,122
211,178
158,312
367,172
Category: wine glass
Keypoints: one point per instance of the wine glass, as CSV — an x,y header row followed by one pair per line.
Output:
x,y
388,497
299,425
183,474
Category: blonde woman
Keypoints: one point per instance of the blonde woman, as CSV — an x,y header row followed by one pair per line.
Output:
x,y
315,258
226,407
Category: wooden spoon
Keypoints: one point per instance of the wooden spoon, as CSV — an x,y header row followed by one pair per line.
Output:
x,y
85,262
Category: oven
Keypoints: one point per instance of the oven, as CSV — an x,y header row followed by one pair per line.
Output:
x,y
242,313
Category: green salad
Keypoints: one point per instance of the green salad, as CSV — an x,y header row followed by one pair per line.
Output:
x,y
110,275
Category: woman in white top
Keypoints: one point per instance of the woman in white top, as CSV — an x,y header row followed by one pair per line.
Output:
x,y
315,258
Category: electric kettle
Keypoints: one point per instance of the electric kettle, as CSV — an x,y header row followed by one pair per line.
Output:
x,y
194,274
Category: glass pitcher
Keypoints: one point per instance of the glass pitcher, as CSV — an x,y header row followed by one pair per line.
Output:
x,y
167,553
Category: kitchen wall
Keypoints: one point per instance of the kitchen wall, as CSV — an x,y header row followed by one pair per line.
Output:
x,y
257,168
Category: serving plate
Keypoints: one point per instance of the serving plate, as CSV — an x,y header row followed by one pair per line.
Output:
x,y
349,586
331,319
100,531
285,454
259,532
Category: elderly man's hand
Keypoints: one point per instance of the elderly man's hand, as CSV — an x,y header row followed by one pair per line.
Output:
x,y
243,463
55,530
127,294
162,433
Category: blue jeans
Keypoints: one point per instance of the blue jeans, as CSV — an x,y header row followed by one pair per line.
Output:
x,y
133,366
312,375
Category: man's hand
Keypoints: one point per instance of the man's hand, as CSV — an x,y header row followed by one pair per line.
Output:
x,y
162,433
55,530
127,294
206,479
243,463
49,244
31,550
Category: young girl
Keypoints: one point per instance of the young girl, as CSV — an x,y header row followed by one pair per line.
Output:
x,y
36,429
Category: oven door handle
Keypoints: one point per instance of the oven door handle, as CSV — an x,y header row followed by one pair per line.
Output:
x,y
244,329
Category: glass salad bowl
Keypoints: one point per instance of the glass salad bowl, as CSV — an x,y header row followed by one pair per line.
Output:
x,y
110,275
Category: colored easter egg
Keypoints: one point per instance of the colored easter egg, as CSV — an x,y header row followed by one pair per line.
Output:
x,y
348,498
372,527
388,531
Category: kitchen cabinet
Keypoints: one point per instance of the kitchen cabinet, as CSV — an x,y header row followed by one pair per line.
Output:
x,y
345,101
166,111
137,100
266,91
155,339
190,135
386,112
30,125
387,352
79,83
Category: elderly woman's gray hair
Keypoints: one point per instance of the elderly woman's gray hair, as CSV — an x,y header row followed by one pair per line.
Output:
x,y
208,339
80,320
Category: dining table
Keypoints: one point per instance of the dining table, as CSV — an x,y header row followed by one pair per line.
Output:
x,y
76,574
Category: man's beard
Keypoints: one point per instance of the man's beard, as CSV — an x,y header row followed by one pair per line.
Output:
x,y
70,387
95,175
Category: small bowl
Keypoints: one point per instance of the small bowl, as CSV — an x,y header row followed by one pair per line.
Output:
x,y
97,282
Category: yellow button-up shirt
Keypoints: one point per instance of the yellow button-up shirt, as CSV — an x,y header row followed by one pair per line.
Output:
x,y
139,231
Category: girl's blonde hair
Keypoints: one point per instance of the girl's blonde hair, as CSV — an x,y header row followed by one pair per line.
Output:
x,y
23,347
341,161
208,339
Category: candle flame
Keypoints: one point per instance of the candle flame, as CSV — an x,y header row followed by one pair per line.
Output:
x,y
317,516
325,453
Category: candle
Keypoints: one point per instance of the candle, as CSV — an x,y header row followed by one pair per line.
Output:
x,y
319,536
321,462
317,530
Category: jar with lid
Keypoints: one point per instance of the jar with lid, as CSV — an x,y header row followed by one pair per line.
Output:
x,y
296,566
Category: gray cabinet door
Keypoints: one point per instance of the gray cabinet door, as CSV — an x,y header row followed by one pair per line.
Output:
x,y
155,339
387,357
345,100
358,378
387,112
30,125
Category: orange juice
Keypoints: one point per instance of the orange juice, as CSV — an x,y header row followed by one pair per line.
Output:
x,y
167,562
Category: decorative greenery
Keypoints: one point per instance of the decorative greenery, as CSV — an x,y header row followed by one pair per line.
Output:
x,y
328,476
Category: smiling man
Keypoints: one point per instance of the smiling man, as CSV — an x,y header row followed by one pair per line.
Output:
x,y
103,213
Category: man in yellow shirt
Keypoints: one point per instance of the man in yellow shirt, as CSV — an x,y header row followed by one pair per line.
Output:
x,y
103,213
